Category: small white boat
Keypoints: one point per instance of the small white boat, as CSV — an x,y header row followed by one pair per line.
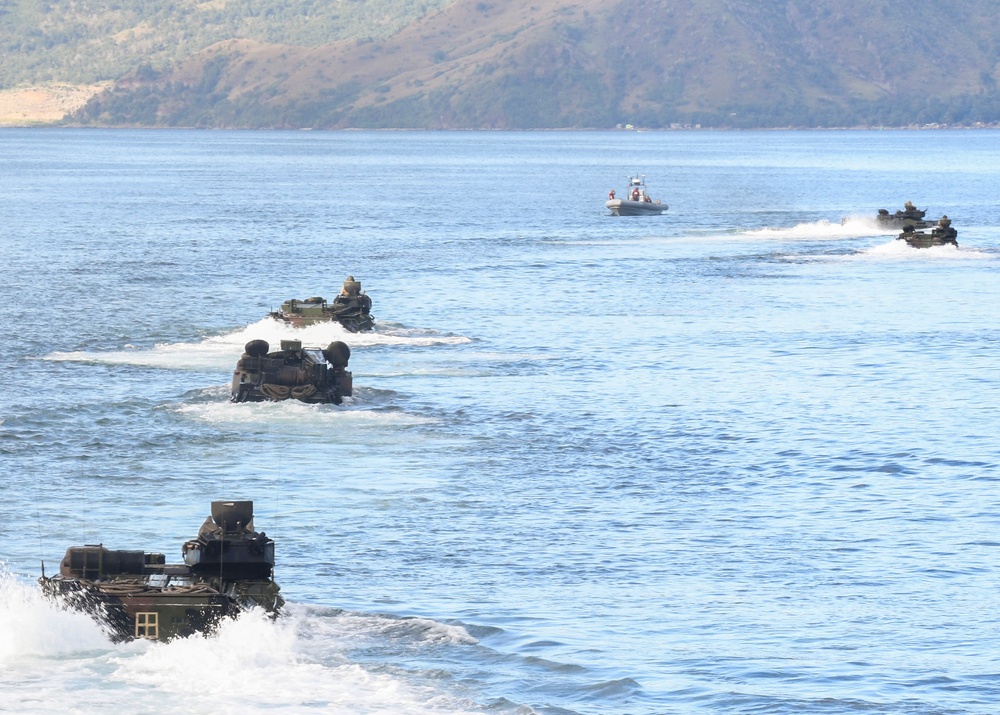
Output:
x,y
636,202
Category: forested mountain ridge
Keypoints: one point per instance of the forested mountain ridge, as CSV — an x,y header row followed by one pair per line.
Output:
x,y
592,63
88,41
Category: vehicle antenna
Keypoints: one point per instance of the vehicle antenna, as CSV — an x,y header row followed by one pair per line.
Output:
x,y
38,525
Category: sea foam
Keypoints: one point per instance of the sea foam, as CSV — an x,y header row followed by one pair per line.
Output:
x,y
853,227
55,660
221,351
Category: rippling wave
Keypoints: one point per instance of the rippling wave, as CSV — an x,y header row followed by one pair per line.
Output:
x,y
737,458
302,660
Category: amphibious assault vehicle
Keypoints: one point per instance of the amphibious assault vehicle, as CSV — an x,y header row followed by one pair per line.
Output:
x,y
307,374
352,309
228,568
940,235
909,216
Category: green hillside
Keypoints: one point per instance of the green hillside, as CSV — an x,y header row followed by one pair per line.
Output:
x,y
86,41
522,63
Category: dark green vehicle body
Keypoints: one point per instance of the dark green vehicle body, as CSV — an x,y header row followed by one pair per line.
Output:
x,y
314,375
351,311
226,569
939,236
901,219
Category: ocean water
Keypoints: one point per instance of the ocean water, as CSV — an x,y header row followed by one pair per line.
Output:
x,y
738,458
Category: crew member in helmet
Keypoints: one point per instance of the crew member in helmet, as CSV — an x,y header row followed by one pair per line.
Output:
x,y
945,232
351,287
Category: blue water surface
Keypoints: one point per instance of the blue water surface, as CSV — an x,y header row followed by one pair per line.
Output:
x,y
737,458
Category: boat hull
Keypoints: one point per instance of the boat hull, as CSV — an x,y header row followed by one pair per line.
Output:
x,y
622,207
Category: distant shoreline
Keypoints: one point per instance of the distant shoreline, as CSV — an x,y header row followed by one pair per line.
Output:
x,y
48,106
61,124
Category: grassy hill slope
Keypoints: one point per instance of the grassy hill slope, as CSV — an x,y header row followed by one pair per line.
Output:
x,y
87,41
595,63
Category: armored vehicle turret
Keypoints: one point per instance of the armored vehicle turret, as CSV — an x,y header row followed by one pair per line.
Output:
x,y
352,309
227,568
293,372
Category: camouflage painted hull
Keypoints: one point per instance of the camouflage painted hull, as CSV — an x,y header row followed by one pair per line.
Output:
x,y
921,240
273,392
896,223
937,237
907,216
227,569
622,207
131,608
357,323
353,313
312,375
